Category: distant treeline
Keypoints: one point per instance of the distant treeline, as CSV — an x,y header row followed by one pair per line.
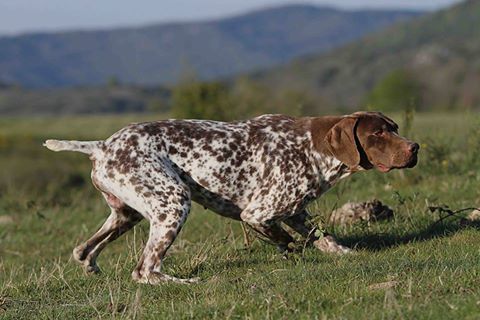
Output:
x,y
189,99
227,100
110,98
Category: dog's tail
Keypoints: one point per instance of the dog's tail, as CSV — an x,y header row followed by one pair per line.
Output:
x,y
87,147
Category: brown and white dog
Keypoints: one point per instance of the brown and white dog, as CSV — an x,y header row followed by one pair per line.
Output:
x,y
261,171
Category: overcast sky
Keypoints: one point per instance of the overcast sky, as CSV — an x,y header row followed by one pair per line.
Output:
x,y
18,16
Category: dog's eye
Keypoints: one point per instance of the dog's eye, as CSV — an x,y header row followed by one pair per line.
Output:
x,y
378,133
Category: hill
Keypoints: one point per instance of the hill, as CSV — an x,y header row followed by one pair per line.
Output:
x,y
439,52
160,53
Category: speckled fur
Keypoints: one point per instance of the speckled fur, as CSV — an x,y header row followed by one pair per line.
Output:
x,y
262,171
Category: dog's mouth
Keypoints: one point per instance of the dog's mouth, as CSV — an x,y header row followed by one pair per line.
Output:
x,y
412,162
383,168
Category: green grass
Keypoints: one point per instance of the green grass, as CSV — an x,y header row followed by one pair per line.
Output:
x,y
429,272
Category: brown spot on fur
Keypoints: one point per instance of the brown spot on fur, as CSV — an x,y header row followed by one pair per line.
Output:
x,y
170,235
203,182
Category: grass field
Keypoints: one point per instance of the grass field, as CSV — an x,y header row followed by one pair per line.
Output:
x,y
404,268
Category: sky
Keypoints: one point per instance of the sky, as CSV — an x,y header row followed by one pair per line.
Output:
x,y
21,16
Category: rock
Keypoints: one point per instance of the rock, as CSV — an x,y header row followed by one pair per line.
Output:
x,y
474,215
330,245
352,212
472,220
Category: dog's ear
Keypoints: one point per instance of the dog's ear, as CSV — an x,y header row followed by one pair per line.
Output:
x,y
341,142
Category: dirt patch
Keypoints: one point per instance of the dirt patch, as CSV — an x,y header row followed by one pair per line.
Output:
x,y
383,285
6,220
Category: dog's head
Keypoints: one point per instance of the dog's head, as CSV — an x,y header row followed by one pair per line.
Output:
x,y
366,140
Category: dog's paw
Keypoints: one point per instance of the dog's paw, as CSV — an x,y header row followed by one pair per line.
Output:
x,y
92,269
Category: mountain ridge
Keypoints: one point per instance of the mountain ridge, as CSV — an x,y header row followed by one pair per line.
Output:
x,y
440,51
159,53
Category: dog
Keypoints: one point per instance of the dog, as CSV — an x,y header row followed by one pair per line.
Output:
x,y
261,171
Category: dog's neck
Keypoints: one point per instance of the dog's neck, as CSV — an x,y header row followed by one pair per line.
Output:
x,y
328,170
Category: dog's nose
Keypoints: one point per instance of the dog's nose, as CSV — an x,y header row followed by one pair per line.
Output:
x,y
413,147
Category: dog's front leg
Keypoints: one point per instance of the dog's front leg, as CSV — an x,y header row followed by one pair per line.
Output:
x,y
268,228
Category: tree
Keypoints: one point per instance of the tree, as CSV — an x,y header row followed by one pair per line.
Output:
x,y
201,100
113,82
251,99
397,91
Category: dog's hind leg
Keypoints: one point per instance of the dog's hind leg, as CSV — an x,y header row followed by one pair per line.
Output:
x,y
122,218
167,211
156,191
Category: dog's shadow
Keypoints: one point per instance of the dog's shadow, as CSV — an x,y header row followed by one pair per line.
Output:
x,y
381,241
369,242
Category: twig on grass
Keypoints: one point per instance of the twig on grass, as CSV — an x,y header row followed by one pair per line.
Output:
x,y
447,211
246,238
309,239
